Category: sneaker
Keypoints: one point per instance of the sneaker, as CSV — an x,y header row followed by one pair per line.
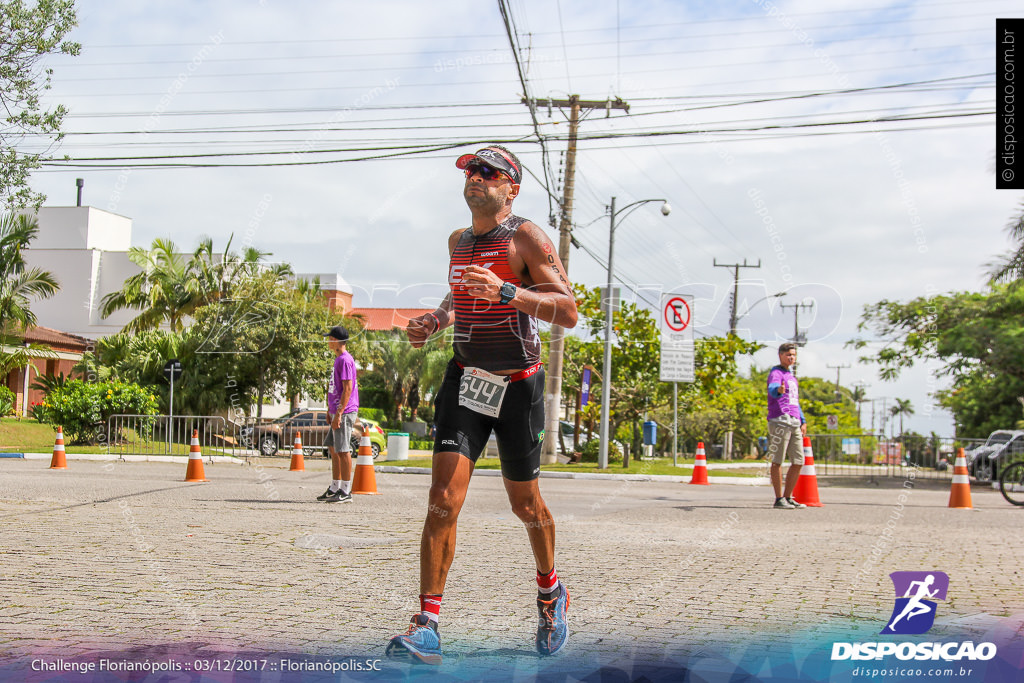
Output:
x,y
421,643
792,501
339,496
326,494
783,504
552,629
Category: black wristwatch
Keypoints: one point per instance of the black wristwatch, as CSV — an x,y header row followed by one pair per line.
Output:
x,y
507,292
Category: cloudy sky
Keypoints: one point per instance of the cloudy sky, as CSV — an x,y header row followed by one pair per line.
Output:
x,y
847,147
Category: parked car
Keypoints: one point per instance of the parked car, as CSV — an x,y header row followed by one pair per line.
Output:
x,y
1002,447
568,432
271,437
378,437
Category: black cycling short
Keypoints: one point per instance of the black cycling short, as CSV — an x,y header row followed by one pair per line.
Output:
x,y
517,428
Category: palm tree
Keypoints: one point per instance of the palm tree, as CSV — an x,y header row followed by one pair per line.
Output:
x,y
19,285
408,372
171,288
1011,266
902,407
164,291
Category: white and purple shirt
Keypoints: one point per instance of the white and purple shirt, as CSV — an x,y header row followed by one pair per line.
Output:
x,y
779,403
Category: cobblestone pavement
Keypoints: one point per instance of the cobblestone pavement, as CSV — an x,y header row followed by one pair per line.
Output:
x,y
105,556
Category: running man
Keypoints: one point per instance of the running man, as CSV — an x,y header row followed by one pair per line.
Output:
x,y
342,410
504,275
914,606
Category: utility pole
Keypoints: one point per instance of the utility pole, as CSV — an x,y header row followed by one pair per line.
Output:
x,y
735,287
796,316
837,369
553,371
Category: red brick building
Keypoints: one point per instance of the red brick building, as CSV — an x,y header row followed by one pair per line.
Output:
x,y
66,351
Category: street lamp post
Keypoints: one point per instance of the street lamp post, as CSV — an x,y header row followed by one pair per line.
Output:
x,y
606,388
776,295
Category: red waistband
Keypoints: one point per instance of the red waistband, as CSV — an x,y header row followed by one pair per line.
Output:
x,y
522,374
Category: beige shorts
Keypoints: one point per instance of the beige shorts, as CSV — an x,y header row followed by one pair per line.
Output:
x,y
785,439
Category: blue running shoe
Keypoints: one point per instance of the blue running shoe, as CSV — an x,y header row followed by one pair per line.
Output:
x,y
552,630
420,643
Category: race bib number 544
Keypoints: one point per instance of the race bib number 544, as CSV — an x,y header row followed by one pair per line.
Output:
x,y
482,392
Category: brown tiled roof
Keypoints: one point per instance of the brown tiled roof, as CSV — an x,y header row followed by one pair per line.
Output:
x,y
60,341
387,318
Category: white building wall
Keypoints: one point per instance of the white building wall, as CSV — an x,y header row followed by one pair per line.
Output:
x,y
86,251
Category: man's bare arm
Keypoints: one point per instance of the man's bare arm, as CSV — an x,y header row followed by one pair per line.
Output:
x,y
421,327
549,297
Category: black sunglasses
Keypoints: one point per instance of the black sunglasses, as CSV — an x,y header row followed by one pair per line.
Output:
x,y
486,172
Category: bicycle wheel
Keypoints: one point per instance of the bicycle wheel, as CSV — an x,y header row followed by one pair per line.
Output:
x,y
1011,483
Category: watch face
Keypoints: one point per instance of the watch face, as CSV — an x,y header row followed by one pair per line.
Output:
x,y
508,292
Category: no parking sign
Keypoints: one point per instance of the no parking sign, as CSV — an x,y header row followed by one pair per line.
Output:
x,y
677,352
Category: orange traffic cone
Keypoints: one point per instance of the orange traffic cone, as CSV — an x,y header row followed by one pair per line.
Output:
x,y
806,489
700,467
364,480
195,472
298,463
960,493
57,462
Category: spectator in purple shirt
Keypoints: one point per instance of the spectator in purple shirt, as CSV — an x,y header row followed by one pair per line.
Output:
x,y
342,411
786,427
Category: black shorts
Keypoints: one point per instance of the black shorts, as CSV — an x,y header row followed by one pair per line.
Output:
x,y
517,428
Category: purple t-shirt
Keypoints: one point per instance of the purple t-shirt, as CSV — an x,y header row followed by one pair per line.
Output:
x,y
780,404
344,369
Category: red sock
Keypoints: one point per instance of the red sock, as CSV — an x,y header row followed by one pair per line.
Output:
x,y
547,583
430,606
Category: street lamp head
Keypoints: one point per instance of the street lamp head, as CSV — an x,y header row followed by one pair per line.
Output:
x,y
665,209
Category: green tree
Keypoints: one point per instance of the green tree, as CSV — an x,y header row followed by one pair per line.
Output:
x,y
636,387
408,373
264,342
976,339
734,404
164,291
19,284
28,34
635,364
172,286
1011,266
902,407
82,408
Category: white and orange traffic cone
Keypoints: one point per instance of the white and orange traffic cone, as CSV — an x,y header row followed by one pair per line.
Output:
x,y
700,467
58,462
806,489
364,480
960,493
298,462
195,472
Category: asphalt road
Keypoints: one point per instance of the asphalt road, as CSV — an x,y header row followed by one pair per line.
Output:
x,y
126,557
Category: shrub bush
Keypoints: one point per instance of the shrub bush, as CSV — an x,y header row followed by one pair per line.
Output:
x,y
82,408
375,414
7,399
592,449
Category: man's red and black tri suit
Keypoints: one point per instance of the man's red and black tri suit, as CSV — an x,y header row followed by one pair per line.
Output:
x,y
494,337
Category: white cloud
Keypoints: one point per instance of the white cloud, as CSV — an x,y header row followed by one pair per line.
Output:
x,y
837,201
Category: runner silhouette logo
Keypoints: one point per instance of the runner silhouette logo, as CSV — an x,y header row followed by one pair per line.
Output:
x,y
916,592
